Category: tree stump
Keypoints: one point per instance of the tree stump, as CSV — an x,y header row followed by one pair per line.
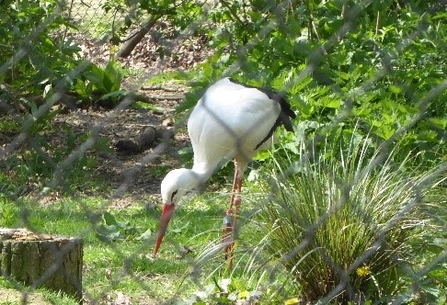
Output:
x,y
36,260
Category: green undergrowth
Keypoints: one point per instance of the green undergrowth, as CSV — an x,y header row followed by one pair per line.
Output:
x,y
190,269
118,246
177,77
349,228
16,294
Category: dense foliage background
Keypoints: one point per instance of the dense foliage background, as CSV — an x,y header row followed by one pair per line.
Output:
x,y
366,74
372,63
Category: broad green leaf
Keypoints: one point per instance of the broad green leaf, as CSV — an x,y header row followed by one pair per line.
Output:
x,y
109,219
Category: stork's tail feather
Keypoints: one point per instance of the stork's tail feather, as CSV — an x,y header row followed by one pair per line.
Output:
x,y
284,116
286,111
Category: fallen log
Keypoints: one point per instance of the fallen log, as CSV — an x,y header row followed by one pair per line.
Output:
x,y
138,144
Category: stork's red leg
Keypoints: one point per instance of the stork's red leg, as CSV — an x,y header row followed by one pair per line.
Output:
x,y
232,214
237,205
227,234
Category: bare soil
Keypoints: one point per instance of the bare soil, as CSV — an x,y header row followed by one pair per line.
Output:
x,y
129,123
137,169
131,175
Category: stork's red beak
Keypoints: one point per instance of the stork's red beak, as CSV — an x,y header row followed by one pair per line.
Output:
x,y
166,214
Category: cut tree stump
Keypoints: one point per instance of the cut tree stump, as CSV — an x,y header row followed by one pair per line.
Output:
x,y
39,260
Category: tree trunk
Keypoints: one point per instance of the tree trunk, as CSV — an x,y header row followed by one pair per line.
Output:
x,y
132,42
53,262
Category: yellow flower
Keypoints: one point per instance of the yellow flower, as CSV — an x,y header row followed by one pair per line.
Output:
x,y
244,294
363,271
292,301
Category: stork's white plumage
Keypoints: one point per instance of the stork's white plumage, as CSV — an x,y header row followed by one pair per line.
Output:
x,y
230,121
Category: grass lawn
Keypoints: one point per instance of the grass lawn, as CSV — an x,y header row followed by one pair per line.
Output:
x,y
190,269
118,246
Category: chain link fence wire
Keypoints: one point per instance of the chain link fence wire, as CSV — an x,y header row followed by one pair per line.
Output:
x,y
90,17
269,270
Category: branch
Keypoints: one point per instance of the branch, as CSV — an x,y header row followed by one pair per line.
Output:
x,y
137,37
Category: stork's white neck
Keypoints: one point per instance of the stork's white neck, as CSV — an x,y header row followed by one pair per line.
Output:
x,y
202,173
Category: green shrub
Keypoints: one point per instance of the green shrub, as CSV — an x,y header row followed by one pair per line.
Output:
x,y
342,223
32,55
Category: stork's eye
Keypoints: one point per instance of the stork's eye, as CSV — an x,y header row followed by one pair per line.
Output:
x,y
173,194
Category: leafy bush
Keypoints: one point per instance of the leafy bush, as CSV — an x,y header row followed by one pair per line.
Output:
x,y
342,224
375,61
32,56
178,14
100,86
38,60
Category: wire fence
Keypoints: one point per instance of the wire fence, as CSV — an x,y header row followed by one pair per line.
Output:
x,y
313,229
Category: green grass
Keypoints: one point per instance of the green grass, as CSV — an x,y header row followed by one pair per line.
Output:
x,y
174,76
126,263
8,124
324,214
15,294
119,241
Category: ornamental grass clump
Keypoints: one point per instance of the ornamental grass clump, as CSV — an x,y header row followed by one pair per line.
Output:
x,y
341,222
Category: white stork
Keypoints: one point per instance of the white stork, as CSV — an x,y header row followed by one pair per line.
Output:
x,y
230,121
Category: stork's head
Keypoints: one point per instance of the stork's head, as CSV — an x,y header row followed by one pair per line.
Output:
x,y
176,184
